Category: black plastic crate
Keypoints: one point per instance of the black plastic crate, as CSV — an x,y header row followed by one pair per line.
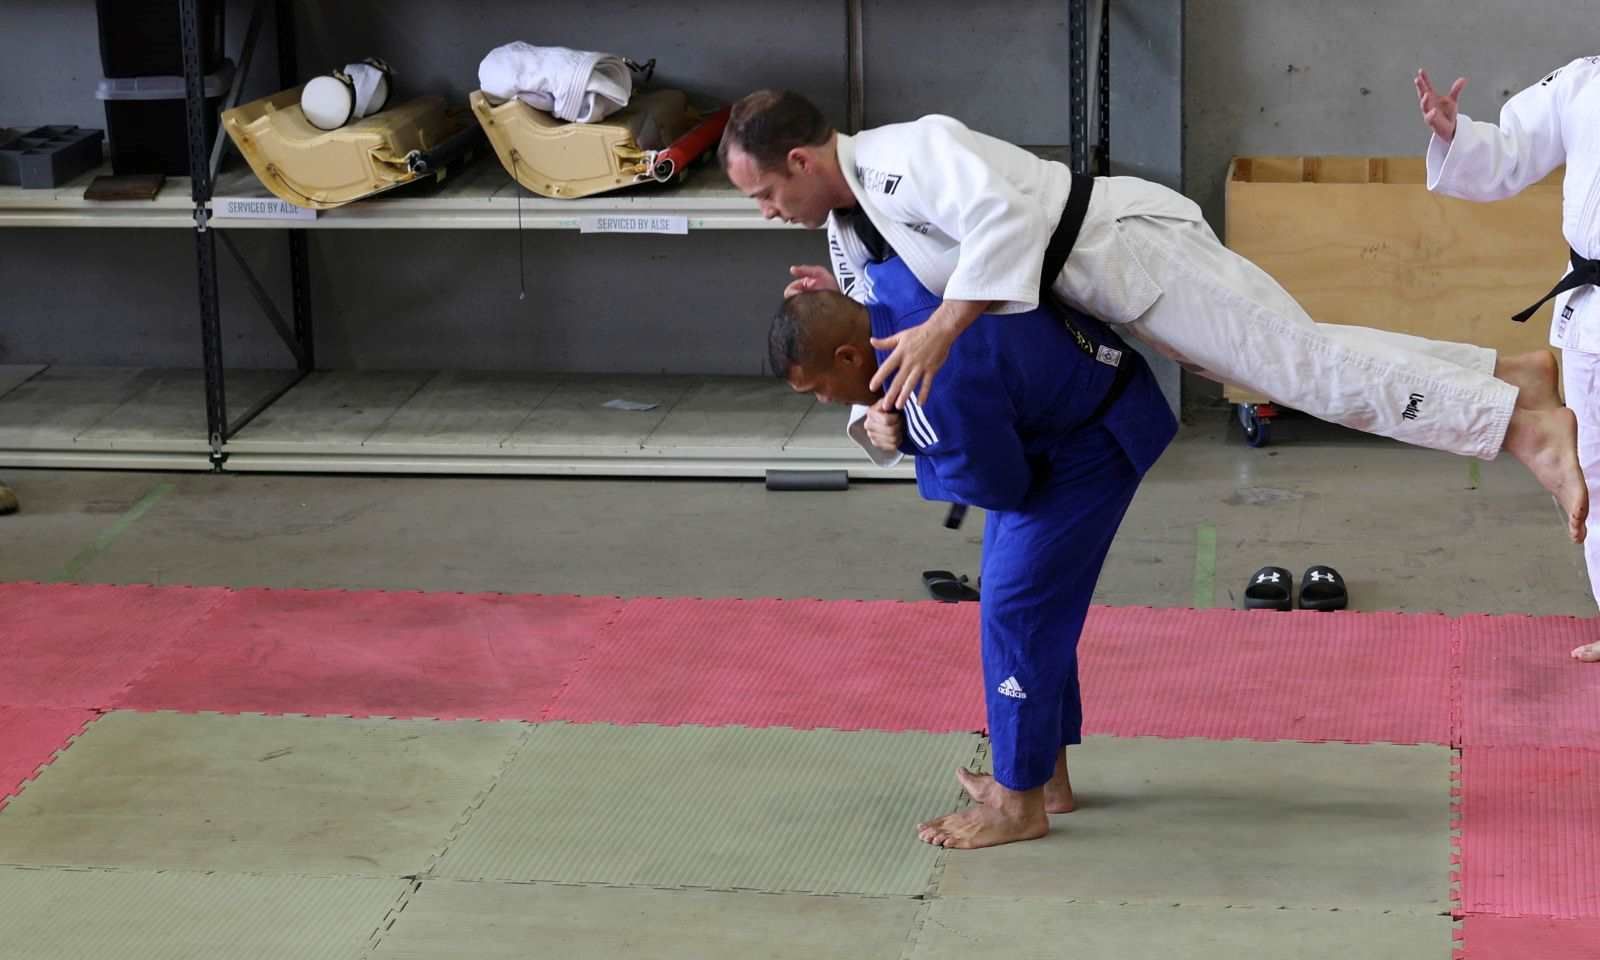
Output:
x,y
144,38
48,156
147,121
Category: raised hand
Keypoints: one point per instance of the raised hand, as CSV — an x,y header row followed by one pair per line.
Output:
x,y
809,278
1439,110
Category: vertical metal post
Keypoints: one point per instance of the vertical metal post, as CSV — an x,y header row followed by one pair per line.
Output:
x,y
299,259
1078,82
1102,150
204,240
855,87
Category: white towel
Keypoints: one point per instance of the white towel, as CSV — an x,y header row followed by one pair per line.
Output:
x,y
573,85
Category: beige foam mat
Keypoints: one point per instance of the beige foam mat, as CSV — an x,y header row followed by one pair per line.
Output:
x,y
253,794
728,808
1036,929
502,921
54,914
1238,823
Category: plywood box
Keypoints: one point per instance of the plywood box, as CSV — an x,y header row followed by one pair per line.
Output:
x,y
1360,240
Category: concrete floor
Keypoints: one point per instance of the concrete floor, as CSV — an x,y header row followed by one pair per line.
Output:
x,y
1410,530
1209,849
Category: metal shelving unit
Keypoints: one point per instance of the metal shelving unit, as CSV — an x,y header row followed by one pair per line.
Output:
x,y
429,421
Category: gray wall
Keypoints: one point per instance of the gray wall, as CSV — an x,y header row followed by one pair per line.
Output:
x,y
1318,76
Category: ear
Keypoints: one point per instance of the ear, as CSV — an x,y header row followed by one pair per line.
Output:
x,y
847,355
801,160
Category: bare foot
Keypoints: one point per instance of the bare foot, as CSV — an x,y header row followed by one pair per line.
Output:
x,y
982,788
1588,654
1535,376
1546,442
985,825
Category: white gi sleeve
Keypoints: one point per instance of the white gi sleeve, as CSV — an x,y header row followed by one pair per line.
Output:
x,y
1002,233
1485,162
857,430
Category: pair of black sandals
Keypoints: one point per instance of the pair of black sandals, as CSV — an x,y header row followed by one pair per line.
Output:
x,y
1272,588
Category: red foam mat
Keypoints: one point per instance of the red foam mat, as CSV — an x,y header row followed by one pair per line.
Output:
x,y
1266,675
796,663
890,666
69,645
1520,687
1528,938
331,652
1530,832
29,739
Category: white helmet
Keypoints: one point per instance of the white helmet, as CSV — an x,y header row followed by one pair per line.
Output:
x,y
335,99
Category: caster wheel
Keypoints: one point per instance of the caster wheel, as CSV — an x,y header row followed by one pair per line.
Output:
x,y
1257,428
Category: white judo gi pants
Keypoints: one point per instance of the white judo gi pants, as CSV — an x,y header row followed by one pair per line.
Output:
x,y
1580,381
1225,318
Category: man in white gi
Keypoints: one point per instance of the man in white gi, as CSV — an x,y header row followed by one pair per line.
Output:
x,y
1555,121
981,223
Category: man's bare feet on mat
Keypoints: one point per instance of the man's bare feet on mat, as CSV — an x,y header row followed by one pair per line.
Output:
x,y
1018,817
1535,375
982,788
1546,442
1588,653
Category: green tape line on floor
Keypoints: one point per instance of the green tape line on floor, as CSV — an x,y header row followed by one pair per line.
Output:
x,y
1205,565
109,536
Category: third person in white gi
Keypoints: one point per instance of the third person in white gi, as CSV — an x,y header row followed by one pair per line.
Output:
x,y
1555,121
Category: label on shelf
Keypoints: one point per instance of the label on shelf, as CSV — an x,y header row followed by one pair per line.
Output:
x,y
259,208
632,223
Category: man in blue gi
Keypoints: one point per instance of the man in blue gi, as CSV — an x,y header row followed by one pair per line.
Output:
x,y
1048,422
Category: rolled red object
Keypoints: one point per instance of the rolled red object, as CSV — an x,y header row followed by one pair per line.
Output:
x,y
688,148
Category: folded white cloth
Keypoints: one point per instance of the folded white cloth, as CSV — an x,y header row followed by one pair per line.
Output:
x,y
573,85
372,88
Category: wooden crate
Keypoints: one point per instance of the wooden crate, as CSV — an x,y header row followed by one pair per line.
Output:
x,y
1360,240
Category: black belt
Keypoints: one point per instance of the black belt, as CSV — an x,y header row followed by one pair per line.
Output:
x,y
1584,273
1055,258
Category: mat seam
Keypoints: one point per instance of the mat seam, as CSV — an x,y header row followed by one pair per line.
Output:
x,y
225,594
94,714
581,662
1458,851
477,802
375,939
980,751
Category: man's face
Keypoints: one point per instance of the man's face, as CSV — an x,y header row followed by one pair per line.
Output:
x,y
796,193
845,381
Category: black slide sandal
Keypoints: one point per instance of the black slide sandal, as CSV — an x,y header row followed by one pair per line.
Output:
x,y
1270,588
946,587
1323,589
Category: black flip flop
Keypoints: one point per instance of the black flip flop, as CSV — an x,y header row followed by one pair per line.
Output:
x,y
1270,588
1323,589
946,587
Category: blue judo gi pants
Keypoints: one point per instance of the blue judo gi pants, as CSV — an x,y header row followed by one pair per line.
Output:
x,y
1040,566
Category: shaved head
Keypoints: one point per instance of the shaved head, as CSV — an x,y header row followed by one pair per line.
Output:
x,y
821,343
809,327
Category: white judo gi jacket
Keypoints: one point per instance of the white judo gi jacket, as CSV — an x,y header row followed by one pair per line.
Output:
x,y
971,216
1555,121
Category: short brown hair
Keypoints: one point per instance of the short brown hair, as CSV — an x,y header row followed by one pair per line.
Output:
x,y
768,124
